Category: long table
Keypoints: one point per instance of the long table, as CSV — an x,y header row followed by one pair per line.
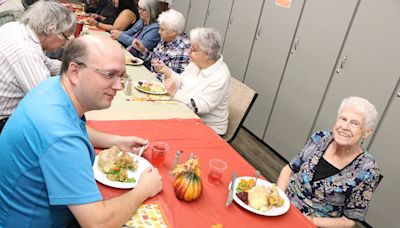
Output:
x,y
177,125
191,135
126,108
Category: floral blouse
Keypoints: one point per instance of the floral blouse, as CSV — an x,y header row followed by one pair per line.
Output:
x,y
346,193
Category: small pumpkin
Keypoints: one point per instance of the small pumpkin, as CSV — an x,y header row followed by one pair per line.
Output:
x,y
188,185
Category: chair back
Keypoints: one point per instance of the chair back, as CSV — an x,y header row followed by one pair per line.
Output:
x,y
241,99
8,16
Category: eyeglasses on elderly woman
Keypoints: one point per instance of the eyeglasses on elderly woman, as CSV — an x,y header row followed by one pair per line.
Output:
x,y
110,75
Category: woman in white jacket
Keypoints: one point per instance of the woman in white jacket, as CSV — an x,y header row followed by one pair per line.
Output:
x,y
204,85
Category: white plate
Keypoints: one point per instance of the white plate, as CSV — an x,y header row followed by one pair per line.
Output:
x,y
273,211
158,84
137,63
101,177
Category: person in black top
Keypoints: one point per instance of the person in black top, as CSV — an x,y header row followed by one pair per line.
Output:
x,y
126,14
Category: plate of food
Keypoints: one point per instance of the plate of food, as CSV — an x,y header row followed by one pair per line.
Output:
x,y
264,199
82,13
118,169
84,21
151,87
133,61
76,6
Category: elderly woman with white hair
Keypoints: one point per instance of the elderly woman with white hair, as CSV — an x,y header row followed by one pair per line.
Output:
x,y
45,26
173,49
333,178
145,29
204,85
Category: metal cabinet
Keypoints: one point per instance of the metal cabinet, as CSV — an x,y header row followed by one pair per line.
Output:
x,y
369,67
240,35
218,15
315,49
270,51
383,211
181,6
196,14
369,62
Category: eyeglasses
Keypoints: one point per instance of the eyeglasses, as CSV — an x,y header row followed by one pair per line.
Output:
x,y
64,36
353,124
191,49
111,76
142,9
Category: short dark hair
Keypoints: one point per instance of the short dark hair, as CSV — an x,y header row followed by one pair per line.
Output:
x,y
75,51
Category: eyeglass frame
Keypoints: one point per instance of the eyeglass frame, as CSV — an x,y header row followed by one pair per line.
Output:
x,y
65,36
109,75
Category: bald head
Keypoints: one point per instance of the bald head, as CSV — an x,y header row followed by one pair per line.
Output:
x,y
89,48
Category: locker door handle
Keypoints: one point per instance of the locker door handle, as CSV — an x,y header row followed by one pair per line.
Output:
x,y
259,32
342,64
208,13
295,46
230,22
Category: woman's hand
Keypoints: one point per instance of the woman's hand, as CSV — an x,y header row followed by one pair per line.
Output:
x,y
94,16
114,34
170,86
138,45
92,21
160,67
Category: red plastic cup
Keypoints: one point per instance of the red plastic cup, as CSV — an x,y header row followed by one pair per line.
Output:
x,y
159,150
78,29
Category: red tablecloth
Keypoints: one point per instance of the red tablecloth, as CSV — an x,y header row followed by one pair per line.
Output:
x,y
192,135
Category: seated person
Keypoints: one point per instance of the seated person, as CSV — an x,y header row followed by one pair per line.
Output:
x,y
173,47
126,15
332,179
105,8
23,45
204,85
145,29
46,161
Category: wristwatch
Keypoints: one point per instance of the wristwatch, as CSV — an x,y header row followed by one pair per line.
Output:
x,y
194,105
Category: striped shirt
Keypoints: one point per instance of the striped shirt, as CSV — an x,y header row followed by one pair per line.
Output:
x,y
23,65
174,54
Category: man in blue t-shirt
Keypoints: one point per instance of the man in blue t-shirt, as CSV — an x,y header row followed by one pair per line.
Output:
x,y
47,153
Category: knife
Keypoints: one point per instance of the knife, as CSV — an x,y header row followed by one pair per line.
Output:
x,y
230,194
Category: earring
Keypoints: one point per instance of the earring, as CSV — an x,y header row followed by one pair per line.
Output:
x,y
362,143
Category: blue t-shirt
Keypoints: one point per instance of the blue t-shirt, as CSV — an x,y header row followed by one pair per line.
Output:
x,y
45,160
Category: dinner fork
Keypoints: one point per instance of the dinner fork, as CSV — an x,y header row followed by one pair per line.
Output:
x,y
140,153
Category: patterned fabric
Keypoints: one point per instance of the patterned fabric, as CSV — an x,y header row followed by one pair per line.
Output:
x,y
174,54
347,193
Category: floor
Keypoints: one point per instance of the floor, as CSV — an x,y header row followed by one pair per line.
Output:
x,y
261,157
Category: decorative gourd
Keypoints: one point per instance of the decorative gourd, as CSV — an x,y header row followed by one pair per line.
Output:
x,y
188,185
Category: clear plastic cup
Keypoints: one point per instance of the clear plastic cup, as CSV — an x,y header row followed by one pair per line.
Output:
x,y
217,168
159,150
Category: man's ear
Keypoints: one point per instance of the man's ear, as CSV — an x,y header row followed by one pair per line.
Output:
x,y
73,72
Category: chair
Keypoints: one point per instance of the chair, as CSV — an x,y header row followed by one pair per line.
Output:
x,y
8,16
241,99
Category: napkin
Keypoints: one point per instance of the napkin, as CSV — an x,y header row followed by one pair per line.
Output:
x,y
148,215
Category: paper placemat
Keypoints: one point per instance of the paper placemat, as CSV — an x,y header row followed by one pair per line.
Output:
x,y
148,215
